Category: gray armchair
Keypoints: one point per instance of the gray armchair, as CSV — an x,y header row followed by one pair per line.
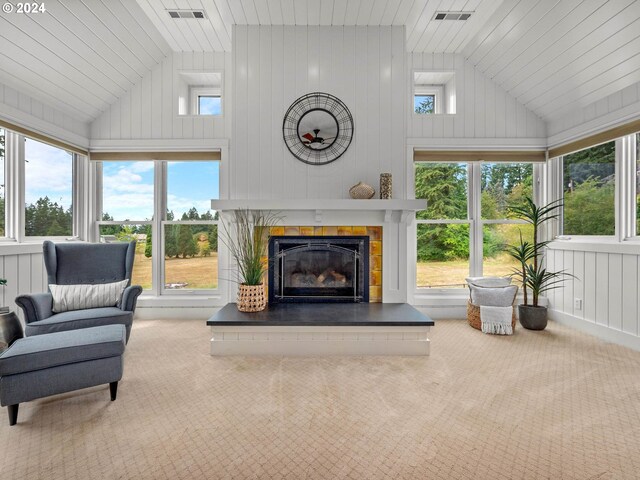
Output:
x,y
82,263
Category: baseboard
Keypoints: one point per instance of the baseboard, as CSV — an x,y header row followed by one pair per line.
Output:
x,y
182,313
600,331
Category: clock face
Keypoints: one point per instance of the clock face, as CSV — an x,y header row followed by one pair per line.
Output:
x,y
317,128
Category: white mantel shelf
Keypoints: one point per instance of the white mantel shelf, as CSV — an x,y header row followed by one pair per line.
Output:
x,y
404,207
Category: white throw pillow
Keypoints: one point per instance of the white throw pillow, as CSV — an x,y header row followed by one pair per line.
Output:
x,y
80,297
493,297
489,281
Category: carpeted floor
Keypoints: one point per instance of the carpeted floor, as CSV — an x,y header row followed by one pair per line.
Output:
x,y
555,404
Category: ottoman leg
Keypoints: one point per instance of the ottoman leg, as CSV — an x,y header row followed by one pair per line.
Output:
x,y
113,387
13,414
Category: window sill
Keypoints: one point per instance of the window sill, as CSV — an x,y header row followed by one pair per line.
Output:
x,y
598,244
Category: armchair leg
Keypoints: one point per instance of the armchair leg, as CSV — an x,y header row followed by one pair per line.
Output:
x,y
113,388
13,414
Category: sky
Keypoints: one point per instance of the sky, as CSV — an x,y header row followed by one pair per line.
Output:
x,y
48,172
128,188
210,105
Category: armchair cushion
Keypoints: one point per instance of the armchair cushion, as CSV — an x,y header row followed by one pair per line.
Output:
x,y
94,317
80,297
62,348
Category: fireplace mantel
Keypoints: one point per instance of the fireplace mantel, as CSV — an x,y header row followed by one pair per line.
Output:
x,y
405,208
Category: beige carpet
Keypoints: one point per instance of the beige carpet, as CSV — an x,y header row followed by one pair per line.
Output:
x,y
556,404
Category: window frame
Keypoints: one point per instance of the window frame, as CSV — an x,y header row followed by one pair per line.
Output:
x,y
425,90
15,189
194,99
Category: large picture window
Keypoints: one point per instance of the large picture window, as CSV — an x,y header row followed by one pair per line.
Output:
x,y
175,229
589,191
467,224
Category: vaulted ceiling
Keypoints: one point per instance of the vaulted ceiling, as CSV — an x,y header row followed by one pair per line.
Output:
x,y
79,56
552,55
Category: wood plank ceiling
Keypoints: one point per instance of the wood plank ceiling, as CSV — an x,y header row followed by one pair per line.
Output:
x,y
556,56
552,55
81,55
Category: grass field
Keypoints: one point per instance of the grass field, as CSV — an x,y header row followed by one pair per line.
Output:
x,y
197,272
451,274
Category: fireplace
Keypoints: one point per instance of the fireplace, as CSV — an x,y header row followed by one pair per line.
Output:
x,y
318,269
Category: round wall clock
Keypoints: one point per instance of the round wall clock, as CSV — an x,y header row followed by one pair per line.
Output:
x,y
317,128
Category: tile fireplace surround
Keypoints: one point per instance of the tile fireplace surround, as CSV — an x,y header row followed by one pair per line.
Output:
x,y
386,222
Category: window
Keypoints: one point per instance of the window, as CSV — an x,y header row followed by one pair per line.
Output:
x,y
199,93
175,229
48,190
589,191
209,105
503,184
466,224
424,103
443,228
190,229
2,183
434,92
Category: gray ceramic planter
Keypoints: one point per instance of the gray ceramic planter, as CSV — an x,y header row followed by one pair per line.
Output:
x,y
532,318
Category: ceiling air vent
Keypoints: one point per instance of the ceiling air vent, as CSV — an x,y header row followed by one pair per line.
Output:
x,y
199,14
452,15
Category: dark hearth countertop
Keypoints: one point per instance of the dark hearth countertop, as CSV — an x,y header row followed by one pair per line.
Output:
x,y
324,314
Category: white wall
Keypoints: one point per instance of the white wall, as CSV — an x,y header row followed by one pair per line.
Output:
x,y
607,281
150,109
21,109
483,109
607,112
363,66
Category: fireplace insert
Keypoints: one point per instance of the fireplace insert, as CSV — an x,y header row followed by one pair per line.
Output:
x,y
318,269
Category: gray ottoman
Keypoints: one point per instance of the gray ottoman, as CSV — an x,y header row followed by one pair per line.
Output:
x,y
43,365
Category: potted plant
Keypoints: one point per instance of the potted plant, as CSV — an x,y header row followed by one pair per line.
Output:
x,y
531,272
247,238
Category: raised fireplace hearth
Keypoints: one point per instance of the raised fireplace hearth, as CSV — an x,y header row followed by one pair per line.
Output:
x,y
318,269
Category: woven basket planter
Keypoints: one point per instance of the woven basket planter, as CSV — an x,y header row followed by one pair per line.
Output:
x,y
473,316
251,298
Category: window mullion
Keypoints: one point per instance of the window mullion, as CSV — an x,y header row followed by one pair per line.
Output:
x,y
14,185
475,214
159,213
625,187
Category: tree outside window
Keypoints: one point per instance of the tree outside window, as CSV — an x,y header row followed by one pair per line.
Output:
x,y
423,104
589,191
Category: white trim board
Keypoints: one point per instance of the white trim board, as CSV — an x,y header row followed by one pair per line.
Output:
x,y
601,332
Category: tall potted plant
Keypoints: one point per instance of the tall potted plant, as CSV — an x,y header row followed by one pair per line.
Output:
x,y
531,271
247,239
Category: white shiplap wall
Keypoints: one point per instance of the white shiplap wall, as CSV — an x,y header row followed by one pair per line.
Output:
x,y
607,281
483,109
19,108
607,112
24,271
363,66
150,109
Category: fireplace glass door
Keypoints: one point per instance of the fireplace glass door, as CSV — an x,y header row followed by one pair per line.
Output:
x,y
318,269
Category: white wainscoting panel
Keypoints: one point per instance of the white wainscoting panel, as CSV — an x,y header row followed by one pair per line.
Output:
x,y
150,109
21,109
483,109
607,282
25,273
607,112
274,65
